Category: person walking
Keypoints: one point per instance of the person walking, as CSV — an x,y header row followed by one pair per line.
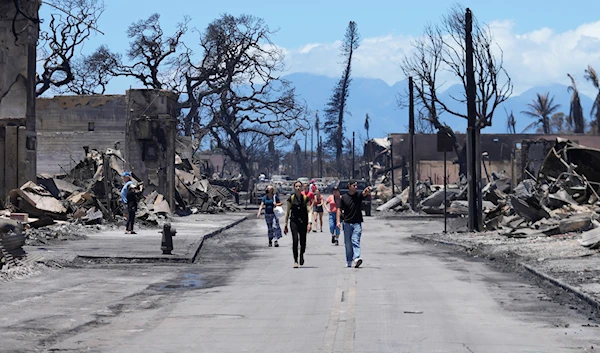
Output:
x,y
133,193
299,215
331,207
127,180
350,204
269,202
318,210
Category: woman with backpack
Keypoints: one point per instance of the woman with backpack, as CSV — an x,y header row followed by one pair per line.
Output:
x,y
269,202
299,214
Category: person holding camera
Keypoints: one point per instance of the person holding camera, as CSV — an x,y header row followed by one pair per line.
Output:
x,y
133,193
269,202
350,205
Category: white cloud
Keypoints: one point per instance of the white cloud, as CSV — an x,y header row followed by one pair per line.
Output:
x,y
539,57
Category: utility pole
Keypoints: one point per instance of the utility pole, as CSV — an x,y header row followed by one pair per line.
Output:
x,y
411,142
320,157
473,145
352,154
311,151
392,165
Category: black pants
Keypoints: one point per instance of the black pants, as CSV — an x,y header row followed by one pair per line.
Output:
x,y
130,219
298,230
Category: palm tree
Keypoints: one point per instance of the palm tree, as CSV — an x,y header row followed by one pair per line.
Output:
x,y
511,122
367,119
575,118
590,75
541,108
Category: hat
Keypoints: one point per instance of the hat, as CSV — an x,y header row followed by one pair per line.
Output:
x,y
352,181
126,174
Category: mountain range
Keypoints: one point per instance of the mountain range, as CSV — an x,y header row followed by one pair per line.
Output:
x,y
378,99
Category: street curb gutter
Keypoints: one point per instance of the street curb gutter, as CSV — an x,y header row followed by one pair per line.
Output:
x,y
215,232
581,295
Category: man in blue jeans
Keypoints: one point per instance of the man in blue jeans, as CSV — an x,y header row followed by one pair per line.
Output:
x,y
350,204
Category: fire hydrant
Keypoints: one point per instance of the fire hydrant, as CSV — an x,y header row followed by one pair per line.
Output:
x,y
168,233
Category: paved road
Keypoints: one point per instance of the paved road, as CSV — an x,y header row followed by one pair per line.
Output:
x,y
245,297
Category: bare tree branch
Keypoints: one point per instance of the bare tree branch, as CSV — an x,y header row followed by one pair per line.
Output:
x,y
62,39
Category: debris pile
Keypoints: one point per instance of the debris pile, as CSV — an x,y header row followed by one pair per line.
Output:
x,y
196,193
90,194
11,243
562,198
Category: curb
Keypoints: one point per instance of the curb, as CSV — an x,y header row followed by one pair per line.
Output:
x,y
152,259
215,232
593,302
444,242
583,296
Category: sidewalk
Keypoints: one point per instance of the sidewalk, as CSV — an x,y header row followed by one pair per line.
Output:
x,y
145,246
559,259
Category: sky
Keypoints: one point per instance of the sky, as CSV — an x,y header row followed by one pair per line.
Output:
x,y
541,41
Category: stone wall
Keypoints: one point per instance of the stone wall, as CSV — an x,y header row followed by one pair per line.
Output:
x,y
66,124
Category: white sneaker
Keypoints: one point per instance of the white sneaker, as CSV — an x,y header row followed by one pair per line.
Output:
x,y
357,262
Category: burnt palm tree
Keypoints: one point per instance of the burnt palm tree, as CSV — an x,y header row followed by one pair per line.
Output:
x,y
590,75
575,118
511,122
541,108
367,120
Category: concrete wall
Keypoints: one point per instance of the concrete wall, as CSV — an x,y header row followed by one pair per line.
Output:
x,y
150,146
64,127
17,94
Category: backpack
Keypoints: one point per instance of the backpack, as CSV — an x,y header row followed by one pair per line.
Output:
x,y
304,199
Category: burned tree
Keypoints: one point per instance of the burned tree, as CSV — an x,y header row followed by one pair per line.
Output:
x,y
152,53
71,23
511,122
442,48
334,112
590,75
237,90
92,73
575,117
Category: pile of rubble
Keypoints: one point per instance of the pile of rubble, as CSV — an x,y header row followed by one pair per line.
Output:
x,y
11,243
563,198
90,194
195,193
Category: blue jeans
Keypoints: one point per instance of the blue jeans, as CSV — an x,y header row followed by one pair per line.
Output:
x,y
332,226
352,233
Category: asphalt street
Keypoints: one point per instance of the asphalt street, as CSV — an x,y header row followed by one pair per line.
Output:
x,y
242,296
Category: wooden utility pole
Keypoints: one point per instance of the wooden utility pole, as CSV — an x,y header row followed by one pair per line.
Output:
x,y
392,165
353,155
320,157
411,142
473,143
311,152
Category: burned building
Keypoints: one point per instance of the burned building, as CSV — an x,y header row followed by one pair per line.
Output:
x,y
515,154
142,123
17,93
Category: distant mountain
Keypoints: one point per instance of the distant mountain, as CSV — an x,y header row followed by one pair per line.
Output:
x,y
379,100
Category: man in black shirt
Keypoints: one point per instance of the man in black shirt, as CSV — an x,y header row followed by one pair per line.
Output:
x,y
350,205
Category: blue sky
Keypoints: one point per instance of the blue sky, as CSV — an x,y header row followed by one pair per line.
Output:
x,y
541,42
